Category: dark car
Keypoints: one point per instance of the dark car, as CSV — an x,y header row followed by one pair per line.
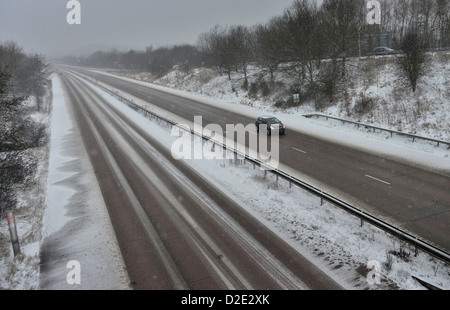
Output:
x,y
383,50
270,123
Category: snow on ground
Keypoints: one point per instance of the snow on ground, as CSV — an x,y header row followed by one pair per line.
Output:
x,y
63,218
328,233
329,236
425,112
418,153
76,224
22,272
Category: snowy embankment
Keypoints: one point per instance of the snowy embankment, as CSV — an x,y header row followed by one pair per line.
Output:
x,y
63,217
22,272
389,101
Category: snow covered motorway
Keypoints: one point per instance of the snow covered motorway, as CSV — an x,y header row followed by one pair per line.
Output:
x,y
406,193
225,224
175,229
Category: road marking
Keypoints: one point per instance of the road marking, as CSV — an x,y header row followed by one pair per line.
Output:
x,y
298,150
232,132
376,179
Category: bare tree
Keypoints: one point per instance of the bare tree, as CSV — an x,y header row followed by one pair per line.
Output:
x,y
342,25
38,73
240,40
413,62
305,39
442,26
228,49
216,45
269,47
401,14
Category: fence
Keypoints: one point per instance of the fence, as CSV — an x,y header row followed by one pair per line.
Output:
x,y
392,132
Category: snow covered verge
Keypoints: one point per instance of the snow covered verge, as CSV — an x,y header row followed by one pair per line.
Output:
x,y
76,229
62,218
22,272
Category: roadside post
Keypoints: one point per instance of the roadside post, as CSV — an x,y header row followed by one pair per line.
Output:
x,y
13,232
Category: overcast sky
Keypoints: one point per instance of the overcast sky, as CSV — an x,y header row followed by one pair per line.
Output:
x,y
40,26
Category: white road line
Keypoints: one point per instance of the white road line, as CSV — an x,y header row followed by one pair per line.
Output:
x,y
158,244
376,179
298,150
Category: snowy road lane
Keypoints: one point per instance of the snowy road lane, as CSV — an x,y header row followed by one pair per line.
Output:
x,y
175,229
77,226
417,200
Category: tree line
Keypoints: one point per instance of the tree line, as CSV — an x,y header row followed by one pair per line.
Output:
x,y
310,42
21,75
158,61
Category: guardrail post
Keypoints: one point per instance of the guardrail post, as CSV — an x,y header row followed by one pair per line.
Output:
x,y
13,232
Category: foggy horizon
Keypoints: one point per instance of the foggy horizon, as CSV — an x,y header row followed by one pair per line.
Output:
x,y
41,26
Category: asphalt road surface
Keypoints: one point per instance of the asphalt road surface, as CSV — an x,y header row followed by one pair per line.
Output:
x,y
174,228
412,198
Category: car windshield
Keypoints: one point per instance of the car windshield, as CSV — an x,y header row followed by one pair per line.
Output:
x,y
273,120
